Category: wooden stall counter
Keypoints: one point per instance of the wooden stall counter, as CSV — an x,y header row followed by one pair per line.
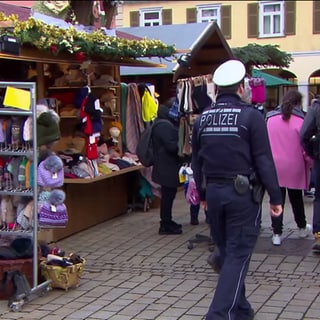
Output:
x,y
92,201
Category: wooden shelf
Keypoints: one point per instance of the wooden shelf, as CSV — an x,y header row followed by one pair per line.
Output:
x,y
103,177
77,117
106,86
69,117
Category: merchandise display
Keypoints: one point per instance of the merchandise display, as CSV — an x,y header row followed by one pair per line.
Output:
x,y
93,111
19,186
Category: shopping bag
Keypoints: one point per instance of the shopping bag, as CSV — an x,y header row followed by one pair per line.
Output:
x,y
192,195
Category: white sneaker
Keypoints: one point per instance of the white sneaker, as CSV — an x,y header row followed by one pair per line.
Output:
x,y
276,239
303,233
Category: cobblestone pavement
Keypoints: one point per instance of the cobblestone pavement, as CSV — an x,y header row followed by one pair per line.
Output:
x,y
134,273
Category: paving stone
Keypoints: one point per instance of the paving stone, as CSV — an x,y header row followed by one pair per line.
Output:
x,y
149,276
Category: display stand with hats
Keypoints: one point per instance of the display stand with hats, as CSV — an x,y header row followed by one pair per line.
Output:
x,y
19,187
105,172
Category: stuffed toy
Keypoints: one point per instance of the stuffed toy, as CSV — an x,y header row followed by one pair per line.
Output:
x,y
114,130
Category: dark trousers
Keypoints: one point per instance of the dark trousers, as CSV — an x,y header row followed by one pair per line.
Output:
x,y
235,226
297,205
316,201
168,195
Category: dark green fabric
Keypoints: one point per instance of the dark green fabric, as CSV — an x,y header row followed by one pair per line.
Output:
x,y
270,80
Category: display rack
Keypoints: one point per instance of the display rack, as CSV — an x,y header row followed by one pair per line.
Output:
x,y
33,152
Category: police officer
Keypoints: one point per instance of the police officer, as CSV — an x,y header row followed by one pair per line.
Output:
x,y
230,145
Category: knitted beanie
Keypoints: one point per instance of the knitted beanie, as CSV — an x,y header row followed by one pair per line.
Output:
x,y
47,129
27,129
92,107
22,172
50,172
53,212
1,131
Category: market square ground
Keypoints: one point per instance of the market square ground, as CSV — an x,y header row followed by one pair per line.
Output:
x,y
132,273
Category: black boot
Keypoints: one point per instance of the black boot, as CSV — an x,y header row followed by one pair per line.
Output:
x,y
194,218
169,228
174,224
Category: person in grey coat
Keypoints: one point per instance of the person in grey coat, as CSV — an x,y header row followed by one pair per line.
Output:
x,y
166,167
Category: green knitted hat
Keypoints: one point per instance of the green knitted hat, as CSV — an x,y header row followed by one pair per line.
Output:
x,y
47,129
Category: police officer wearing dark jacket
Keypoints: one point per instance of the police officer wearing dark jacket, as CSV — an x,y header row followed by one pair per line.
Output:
x,y
311,143
230,145
166,167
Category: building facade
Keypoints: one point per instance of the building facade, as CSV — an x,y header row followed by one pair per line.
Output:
x,y
292,25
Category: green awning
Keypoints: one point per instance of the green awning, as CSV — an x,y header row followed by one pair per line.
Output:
x,y
270,80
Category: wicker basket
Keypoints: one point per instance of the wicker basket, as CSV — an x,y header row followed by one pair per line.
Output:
x,y
63,277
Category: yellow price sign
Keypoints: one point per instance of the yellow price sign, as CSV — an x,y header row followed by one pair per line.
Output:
x,y
17,98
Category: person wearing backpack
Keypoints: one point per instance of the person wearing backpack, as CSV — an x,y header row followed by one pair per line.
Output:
x,y
310,138
166,165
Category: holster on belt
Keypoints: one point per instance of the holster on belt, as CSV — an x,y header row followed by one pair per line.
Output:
x,y
258,188
241,184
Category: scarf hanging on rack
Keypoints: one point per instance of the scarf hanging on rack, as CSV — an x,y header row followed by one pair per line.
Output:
x,y
258,90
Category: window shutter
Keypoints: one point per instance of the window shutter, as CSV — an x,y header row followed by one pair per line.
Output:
x,y
316,17
134,19
226,21
253,20
191,15
167,16
290,22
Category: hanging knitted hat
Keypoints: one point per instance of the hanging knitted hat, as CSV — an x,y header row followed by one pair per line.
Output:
x,y
2,138
47,129
54,213
27,129
50,172
7,210
92,107
47,125
22,172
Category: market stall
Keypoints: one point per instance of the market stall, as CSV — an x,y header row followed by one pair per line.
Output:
x,y
54,58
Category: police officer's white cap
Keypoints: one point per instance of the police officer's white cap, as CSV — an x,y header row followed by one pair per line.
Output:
x,y
229,73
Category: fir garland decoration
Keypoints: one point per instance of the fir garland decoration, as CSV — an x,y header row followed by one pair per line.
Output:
x,y
52,38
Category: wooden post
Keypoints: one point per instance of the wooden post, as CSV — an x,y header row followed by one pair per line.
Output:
x,y
40,81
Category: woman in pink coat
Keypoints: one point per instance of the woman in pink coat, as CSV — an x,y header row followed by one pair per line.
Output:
x,y
292,164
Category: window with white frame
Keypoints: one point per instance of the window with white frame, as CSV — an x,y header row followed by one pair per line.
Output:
x,y
150,17
271,19
207,13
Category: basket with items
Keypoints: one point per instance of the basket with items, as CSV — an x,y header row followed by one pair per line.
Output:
x,y
63,271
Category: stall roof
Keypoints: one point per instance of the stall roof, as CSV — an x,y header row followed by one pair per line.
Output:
x,y
25,12
204,41
208,51
9,9
270,80
32,54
